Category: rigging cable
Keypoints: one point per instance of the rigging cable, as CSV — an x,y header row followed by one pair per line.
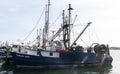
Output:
x,y
73,27
96,34
57,18
55,21
34,27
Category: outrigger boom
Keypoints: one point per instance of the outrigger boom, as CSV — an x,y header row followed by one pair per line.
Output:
x,y
81,33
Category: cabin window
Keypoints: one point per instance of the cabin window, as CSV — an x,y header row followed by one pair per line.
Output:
x,y
51,54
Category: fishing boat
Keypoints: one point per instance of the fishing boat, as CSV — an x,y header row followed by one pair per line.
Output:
x,y
3,51
62,53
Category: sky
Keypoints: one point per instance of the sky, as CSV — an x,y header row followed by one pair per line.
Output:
x,y
18,17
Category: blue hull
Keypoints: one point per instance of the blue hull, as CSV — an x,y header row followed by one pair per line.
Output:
x,y
65,59
2,53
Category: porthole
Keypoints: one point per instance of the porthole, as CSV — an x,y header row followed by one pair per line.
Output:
x,y
51,54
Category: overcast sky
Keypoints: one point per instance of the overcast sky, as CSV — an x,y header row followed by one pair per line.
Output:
x,y
18,17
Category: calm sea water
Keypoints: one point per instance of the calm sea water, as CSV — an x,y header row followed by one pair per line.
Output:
x,y
113,69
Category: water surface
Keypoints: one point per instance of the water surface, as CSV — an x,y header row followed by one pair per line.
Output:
x,y
111,69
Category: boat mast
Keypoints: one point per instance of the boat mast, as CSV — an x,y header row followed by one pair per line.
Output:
x,y
39,37
46,30
67,28
69,9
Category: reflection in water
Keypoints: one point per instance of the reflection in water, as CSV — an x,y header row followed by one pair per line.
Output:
x,y
88,70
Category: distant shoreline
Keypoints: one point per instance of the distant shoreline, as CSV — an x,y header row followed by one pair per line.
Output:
x,y
114,48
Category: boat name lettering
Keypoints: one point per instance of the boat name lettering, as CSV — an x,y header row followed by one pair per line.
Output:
x,y
23,56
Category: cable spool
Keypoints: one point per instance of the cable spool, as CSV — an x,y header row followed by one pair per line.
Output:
x,y
100,48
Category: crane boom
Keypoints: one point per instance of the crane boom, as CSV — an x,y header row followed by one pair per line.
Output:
x,y
81,33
